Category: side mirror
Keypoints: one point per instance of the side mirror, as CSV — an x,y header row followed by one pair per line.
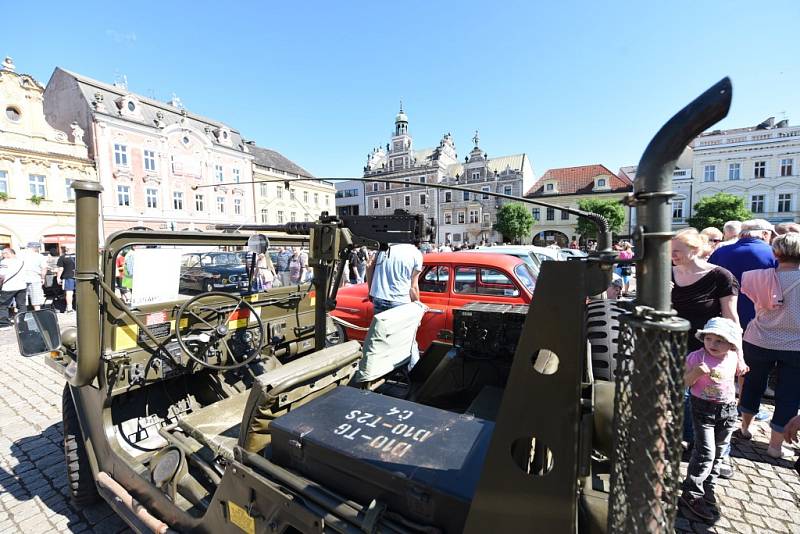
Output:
x,y
257,243
37,332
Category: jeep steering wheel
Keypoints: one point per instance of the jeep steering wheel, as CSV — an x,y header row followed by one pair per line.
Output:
x,y
210,328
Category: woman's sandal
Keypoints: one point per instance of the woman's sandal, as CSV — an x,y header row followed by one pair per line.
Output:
x,y
741,433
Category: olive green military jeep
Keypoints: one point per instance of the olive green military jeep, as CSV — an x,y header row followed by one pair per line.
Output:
x,y
225,411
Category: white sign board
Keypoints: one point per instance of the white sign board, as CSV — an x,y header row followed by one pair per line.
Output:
x,y
156,275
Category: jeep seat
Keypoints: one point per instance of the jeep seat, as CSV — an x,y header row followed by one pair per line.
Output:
x,y
244,418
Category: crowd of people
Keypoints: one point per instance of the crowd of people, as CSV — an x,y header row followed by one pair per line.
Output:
x,y
739,289
23,278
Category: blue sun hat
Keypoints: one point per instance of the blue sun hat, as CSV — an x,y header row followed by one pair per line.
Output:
x,y
727,329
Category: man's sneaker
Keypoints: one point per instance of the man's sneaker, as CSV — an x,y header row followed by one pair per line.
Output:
x,y
725,468
762,415
698,507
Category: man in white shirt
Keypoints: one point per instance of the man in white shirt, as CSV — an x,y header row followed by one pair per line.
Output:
x,y
14,285
34,271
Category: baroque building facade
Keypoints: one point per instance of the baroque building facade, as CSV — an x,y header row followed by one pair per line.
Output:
x,y
567,187
150,155
282,202
38,164
760,164
459,217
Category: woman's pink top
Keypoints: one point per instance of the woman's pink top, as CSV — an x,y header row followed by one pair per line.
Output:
x,y
776,296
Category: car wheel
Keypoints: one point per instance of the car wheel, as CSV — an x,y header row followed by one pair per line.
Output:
x,y
208,286
336,336
83,490
602,330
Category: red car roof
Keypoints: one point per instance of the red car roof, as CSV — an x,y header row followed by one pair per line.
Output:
x,y
499,260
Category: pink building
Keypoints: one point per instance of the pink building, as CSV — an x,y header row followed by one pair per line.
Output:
x,y
149,154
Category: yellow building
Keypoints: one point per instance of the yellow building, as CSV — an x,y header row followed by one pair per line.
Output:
x,y
278,204
567,187
38,163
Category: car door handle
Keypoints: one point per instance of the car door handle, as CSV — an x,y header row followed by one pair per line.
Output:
x,y
431,310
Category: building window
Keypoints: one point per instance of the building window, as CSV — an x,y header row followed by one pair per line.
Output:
x,y
291,194
473,216
387,202
316,199
757,203
237,206
461,217
305,197
265,189
264,216
151,197
149,160
487,218
601,182
759,169
564,215
786,167
709,173
551,214
507,190
36,185
784,202
279,191
292,216
407,200
734,171
485,190
375,203
476,175
177,200
218,173
422,179
448,217
466,195
12,113
198,202
280,217
537,213
221,204
423,199
406,182
548,187
677,209
374,187
327,200
121,155
237,175
69,192
448,196
4,182
123,195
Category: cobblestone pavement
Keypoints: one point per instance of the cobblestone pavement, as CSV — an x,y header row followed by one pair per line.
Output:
x,y
33,481
763,496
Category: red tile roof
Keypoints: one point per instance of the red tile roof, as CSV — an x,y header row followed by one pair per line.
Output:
x,y
579,180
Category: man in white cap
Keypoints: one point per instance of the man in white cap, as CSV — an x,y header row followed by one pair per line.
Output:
x,y
750,252
730,233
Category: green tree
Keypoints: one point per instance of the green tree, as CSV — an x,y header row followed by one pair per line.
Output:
x,y
612,210
718,209
514,221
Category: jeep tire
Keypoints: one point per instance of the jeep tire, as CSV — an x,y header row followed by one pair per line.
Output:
x,y
82,488
602,330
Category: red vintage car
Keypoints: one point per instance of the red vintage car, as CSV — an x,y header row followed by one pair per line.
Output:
x,y
449,280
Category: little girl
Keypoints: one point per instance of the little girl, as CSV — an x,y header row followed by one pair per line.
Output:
x,y
710,375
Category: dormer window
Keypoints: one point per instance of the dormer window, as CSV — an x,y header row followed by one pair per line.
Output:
x,y
128,106
131,106
550,188
601,183
223,136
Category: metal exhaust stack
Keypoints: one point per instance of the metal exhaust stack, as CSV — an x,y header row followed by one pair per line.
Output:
x,y
87,213
648,404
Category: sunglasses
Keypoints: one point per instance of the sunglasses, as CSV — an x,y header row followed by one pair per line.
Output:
x,y
715,240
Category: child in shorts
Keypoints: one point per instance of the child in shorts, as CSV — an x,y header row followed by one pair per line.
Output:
x,y
711,376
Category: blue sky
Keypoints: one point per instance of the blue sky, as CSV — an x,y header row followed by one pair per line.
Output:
x,y
569,83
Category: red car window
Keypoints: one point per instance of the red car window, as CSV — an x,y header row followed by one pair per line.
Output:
x,y
491,282
434,279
